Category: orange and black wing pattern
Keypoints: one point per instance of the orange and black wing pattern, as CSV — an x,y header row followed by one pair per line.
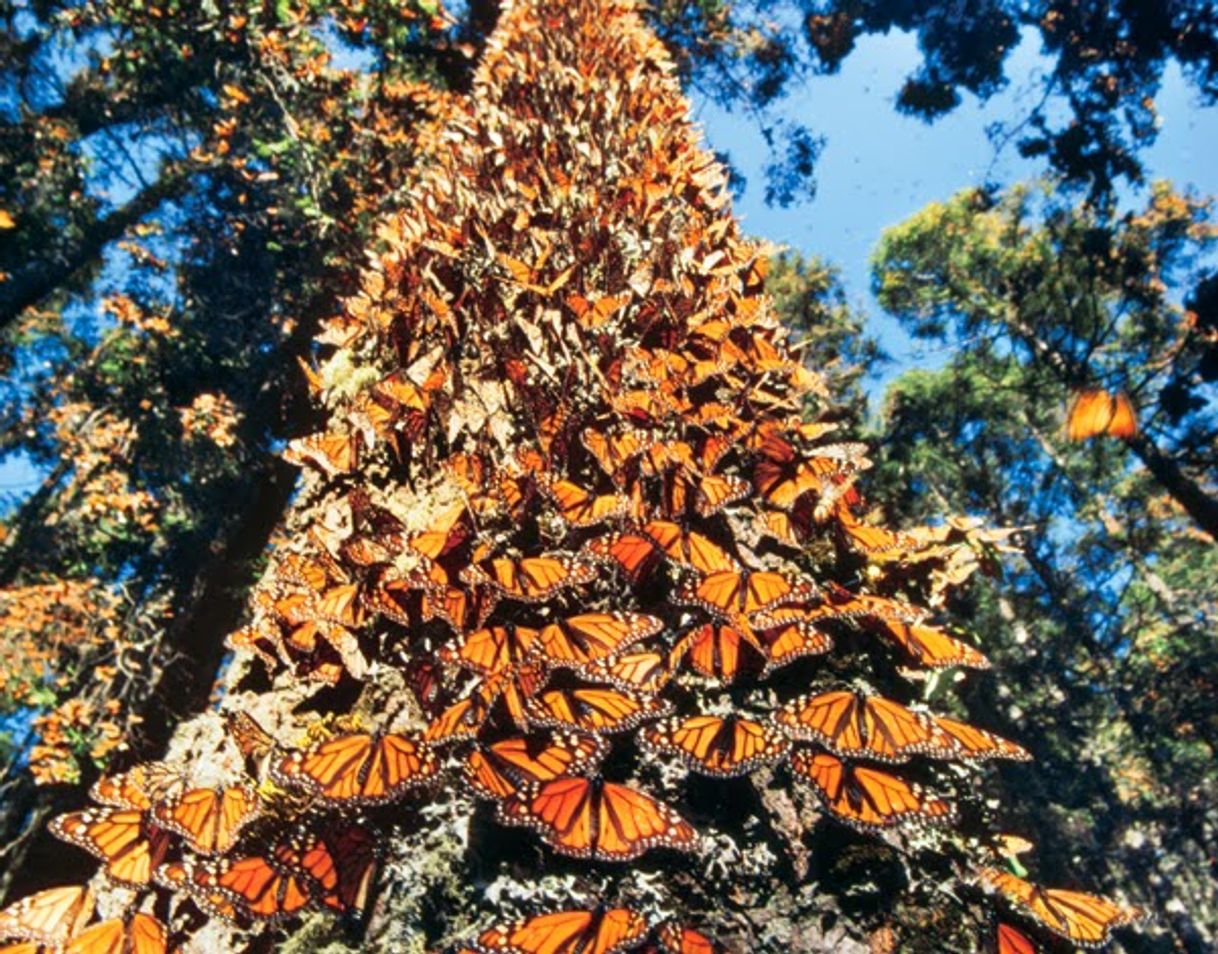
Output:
x,y
579,640
866,798
716,746
1009,940
128,845
530,579
210,819
1084,919
139,934
360,768
977,744
602,931
595,710
499,769
590,818
48,917
854,725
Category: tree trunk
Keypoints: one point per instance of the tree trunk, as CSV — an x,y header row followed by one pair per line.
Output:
x,y
567,298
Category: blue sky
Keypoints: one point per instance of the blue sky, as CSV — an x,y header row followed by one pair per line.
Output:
x,y
878,166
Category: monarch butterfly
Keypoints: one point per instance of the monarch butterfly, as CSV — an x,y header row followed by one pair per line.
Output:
x,y
493,649
781,483
602,931
866,798
343,862
851,724
592,818
716,746
49,917
1084,919
268,886
499,769
582,639
731,594
210,819
137,787
676,939
593,314
793,637
530,579
635,553
843,604
360,768
198,880
330,452
462,609
1011,941
613,452
599,711
1094,411
142,934
130,847
974,743
870,539
688,547
711,493
932,647
580,507
251,739
641,670
461,720
721,651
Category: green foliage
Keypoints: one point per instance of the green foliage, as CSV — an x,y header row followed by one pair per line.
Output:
x,y
1103,626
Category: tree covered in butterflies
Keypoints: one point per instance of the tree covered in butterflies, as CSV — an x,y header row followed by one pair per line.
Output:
x,y
578,636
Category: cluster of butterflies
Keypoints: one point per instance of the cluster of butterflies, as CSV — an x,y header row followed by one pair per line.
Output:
x,y
649,542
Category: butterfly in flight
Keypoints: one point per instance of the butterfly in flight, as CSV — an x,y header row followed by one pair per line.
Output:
x,y
1084,919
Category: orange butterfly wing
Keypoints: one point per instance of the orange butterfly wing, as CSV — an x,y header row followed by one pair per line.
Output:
x,y
1094,411
210,819
498,770
48,917
579,640
143,934
866,798
850,724
582,508
1011,941
718,747
587,818
130,847
137,787
530,579
932,647
359,768
720,651
640,670
689,548
676,939
569,932
1085,919
974,743
598,711
493,649
635,553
